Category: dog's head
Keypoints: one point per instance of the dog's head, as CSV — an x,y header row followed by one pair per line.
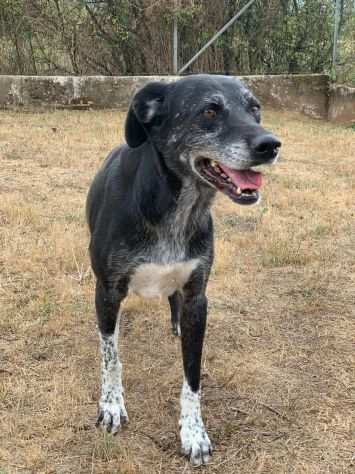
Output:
x,y
208,127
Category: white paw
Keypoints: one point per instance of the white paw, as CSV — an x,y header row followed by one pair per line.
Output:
x,y
195,442
112,415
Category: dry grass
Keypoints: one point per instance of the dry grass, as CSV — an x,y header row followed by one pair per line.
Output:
x,y
278,365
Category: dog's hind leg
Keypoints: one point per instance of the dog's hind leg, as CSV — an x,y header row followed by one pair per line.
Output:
x,y
194,439
175,301
112,412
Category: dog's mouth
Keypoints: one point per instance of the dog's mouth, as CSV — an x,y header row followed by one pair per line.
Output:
x,y
242,186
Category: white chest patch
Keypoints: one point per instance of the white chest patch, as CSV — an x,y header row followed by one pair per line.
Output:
x,y
151,280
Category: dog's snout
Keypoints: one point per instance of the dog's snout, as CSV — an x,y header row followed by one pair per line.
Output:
x,y
265,147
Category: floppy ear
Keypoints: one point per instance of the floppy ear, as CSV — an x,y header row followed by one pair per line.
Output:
x,y
147,108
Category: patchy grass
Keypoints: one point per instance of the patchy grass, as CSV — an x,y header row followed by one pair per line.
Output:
x,y
278,364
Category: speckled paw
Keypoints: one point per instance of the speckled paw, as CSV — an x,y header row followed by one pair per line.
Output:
x,y
196,445
111,416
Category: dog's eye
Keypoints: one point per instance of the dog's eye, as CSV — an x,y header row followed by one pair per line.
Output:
x,y
255,110
210,113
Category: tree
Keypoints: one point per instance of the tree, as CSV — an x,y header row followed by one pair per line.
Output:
x,y
135,36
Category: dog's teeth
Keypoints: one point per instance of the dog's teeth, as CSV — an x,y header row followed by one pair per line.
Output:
x,y
229,180
224,175
239,191
213,163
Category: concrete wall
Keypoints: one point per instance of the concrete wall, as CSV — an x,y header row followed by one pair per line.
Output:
x,y
308,94
304,93
342,104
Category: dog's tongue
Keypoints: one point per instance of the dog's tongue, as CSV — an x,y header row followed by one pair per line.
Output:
x,y
245,179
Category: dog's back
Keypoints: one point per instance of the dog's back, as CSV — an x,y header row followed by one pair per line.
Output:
x,y
109,180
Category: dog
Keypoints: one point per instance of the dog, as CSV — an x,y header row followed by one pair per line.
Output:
x,y
148,212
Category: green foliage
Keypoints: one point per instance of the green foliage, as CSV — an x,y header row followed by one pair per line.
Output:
x,y
185,15
346,50
135,36
332,75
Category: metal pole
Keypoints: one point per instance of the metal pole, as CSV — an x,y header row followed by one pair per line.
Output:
x,y
336,32
217,35
175,45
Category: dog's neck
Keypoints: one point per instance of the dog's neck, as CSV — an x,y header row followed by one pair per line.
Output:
x,y
192,207
177,204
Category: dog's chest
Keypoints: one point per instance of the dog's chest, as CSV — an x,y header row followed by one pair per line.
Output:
x,y
167,269
151,280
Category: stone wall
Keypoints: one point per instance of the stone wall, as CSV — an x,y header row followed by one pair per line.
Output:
x,y
342,104
304,93
308,94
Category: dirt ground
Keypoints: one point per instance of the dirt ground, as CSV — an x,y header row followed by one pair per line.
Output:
x,y
278,364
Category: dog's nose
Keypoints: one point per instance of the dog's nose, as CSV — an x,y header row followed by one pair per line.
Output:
x,y
265,147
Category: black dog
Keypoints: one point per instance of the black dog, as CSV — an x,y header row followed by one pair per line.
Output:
x,y
148,211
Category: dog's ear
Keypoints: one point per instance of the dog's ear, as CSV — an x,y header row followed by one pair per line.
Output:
x,y
147,109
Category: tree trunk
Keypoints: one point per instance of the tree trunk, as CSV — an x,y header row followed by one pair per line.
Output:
x,y
230,9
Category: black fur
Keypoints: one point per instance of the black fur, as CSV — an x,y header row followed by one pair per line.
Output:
x,y
147,204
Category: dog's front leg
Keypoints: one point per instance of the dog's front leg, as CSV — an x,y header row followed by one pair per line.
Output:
x,y
194,439
112,412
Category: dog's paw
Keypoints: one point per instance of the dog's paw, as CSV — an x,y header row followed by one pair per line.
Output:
x,y
195,442
111,416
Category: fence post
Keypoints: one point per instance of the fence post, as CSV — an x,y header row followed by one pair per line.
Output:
x,y
175,40
175,45
336,32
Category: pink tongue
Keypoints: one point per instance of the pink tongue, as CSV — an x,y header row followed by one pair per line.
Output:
x,y
245,179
